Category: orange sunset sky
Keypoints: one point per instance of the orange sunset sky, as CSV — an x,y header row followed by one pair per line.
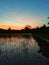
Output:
x,y
19,13
14,27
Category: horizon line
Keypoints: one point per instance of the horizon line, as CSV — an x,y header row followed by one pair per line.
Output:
x,y
16,27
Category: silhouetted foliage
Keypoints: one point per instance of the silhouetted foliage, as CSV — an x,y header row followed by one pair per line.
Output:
x,y
40,34
9,28
48,17
27,27
48,23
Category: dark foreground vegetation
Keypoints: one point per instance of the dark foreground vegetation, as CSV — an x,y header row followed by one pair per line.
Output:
x,y
11,55
43,32
40,34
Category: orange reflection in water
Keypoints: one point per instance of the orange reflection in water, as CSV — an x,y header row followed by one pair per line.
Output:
x,y
19,40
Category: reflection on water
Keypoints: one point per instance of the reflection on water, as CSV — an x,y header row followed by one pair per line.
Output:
x,y
21,51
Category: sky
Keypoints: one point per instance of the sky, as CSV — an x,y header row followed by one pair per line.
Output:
x,y
20,13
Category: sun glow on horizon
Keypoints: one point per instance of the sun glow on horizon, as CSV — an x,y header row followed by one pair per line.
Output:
x,y
15,27
20,19
18,13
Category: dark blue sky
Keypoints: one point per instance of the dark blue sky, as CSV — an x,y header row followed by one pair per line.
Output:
x,y
23,12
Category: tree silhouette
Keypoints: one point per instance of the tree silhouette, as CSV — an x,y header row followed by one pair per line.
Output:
x,y
9,28
48,23
44,26
27,27
48,17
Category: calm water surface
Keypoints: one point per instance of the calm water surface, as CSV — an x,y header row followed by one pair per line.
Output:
x,y
21,51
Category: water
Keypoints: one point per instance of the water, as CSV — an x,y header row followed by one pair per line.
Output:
x,y
21,51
